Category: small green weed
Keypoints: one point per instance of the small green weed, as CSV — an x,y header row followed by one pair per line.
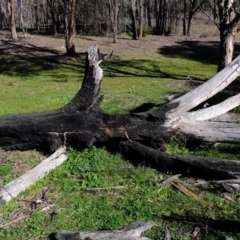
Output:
x,y
78,204
176,147
5,170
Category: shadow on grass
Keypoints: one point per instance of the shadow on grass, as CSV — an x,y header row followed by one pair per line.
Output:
x,y
25,60
140,68
203,51
229,226
144,107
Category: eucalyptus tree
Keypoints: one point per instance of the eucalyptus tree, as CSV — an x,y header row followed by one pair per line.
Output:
x,y
11,11
226,16
141,9
167,15
133,10
4,21
69,7
113,13
190,9
53,6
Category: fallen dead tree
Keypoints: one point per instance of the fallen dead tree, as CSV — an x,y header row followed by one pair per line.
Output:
x,y
82,123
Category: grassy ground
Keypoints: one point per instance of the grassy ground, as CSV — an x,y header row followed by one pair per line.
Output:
x,y
36,76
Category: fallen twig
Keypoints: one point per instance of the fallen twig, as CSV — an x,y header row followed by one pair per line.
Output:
x,y
171,179
105,188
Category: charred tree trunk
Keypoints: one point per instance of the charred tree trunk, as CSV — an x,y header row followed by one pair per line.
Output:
x,y
82,123
11,10
70,25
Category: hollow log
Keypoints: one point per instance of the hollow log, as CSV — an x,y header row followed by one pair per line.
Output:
x,y
82,123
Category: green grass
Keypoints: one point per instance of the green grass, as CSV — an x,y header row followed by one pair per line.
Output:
x,y
143,198
131,83
136,81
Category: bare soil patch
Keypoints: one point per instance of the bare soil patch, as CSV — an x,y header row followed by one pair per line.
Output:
x,y
43,46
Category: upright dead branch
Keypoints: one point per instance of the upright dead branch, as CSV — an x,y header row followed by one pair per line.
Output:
x,y
88,96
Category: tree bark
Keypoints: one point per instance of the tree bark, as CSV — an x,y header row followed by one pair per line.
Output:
x,y
11,10
113,12
53,15
197,166
37,20
70,25
82,123
228,18
133,17
149,21
185,18
140,35
226,47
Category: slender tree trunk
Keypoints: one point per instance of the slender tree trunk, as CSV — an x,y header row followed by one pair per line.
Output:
x,y
165,16
133,17
11,9
70,25
157,17
189,25
140,35
160,12
113,12
53,15
149,13
37,21
184,18
22,24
